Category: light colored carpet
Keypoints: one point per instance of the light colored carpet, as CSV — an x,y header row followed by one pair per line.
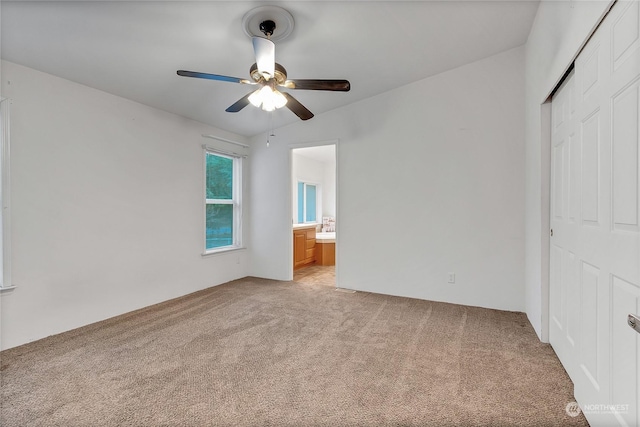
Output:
x,y
255,352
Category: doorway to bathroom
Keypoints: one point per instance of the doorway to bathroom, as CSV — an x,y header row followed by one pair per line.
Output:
x,y
314,214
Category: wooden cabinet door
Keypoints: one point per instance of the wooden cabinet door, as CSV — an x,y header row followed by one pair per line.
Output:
x,y
299,248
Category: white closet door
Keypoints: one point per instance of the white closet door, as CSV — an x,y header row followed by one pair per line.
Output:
x,y
595,248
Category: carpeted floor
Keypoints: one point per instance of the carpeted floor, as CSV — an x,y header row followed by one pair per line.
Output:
x,y
255,352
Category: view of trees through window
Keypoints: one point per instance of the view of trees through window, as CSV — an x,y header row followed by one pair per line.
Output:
x,y
220,203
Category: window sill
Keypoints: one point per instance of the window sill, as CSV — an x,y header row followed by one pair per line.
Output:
x,y
4,289
222,251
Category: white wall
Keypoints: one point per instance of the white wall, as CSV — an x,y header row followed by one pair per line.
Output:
x,y
431,181
329,190
107,209
559,31
313,171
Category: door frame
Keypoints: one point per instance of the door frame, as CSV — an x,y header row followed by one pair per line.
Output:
x,y
545,205
293,146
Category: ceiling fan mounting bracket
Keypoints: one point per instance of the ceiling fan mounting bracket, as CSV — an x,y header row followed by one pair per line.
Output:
x,y
281,22
267,27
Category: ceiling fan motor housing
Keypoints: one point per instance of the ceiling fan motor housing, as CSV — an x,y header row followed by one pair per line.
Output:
x,y
280,74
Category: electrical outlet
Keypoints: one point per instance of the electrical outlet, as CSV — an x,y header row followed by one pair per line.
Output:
x,y
452,278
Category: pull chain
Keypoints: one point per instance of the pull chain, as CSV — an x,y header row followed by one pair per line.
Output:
x,y
270,133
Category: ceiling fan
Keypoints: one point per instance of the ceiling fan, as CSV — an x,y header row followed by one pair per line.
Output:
x,y
270,75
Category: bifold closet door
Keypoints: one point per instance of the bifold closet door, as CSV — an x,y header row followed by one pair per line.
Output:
x,y
595,210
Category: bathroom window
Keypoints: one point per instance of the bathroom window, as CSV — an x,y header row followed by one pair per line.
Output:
x,y
223,207
307,202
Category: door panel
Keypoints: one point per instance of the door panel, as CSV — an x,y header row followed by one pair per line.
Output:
x,y
625,34
573,303
575,173
591,168
590,317
556,291
625,343
563,188
625,158
558,170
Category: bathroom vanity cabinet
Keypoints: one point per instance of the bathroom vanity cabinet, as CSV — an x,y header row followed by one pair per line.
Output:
x,y
325,252
304,245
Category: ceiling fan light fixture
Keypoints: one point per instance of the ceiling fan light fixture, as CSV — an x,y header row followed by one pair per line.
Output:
x,y
267,98
256,97
279,99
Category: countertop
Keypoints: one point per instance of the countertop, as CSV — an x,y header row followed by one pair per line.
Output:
x,y
299,226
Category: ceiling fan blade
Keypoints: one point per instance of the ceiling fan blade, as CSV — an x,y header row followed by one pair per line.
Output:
x,y
198,75
297,108
265,51
239,104
311,84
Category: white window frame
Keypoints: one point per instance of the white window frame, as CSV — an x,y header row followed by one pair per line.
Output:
x,y
236,201
5,194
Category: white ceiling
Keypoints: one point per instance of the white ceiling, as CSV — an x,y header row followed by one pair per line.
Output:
x,y
133,49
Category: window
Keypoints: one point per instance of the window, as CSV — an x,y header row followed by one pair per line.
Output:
x,y
307,202
223,208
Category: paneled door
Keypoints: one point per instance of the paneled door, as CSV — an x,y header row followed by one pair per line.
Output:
x,y
595,245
